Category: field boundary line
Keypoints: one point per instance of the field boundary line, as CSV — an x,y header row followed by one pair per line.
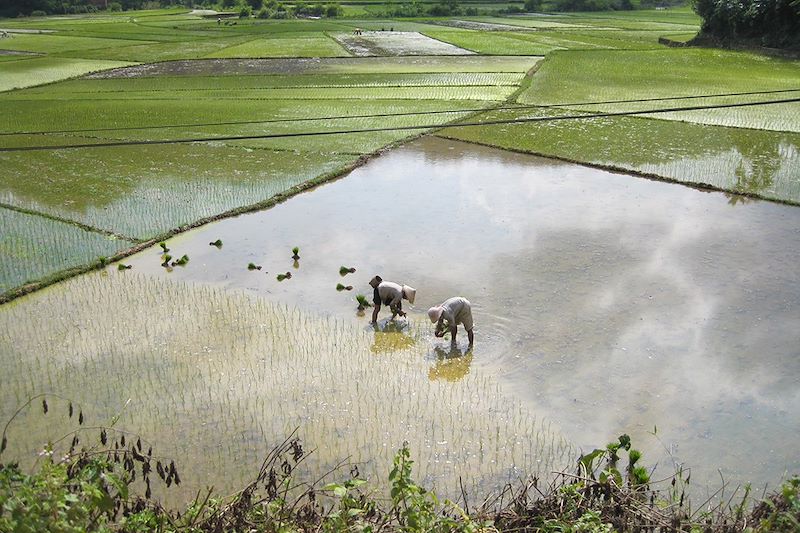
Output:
x,y
582,116
270,202
697,185
81,225
515,107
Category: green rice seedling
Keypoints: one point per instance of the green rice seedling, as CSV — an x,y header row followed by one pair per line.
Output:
x,y
253,266
245,341
295,253
122,266
33,247
217,243
167,258
282,277
343,270
340,287
163,246
363,303
182,261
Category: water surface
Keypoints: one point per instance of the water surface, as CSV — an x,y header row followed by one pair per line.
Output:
x,y
605,303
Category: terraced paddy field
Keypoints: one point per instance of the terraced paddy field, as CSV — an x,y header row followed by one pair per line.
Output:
x,y
254,107
184,121
601,301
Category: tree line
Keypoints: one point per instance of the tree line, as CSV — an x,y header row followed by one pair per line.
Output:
x,y
770,23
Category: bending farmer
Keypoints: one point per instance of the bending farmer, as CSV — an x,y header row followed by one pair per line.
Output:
x,y
449,315
391,294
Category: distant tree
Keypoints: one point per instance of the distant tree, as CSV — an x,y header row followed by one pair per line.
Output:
x,y
445,9
333,10
533,5
774,23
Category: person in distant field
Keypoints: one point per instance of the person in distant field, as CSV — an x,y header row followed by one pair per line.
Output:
x,y
449,315
391,294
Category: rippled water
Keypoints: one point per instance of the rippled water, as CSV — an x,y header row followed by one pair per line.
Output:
x,y
605,303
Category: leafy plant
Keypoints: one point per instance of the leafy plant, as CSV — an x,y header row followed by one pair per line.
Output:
x,y
253,266
343,270
781,511
217,243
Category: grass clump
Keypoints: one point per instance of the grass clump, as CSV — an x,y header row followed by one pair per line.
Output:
x,y
93,489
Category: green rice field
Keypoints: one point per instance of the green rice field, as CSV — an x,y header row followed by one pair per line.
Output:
x,y
120,130
248,89
237,102
179,352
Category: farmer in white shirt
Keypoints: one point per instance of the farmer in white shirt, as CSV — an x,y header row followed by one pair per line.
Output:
x,y
391,294
449,315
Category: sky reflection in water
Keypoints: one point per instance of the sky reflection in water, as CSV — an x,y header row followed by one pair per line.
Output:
x,y
607,303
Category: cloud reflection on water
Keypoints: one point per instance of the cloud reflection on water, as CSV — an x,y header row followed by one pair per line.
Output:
x,y
607,303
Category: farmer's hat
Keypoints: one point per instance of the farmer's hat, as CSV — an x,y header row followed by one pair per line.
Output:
x,y
410,293
435,313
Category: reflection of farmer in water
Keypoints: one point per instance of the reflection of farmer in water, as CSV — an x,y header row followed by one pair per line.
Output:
x,y
391,294
449,315
451,365
391,339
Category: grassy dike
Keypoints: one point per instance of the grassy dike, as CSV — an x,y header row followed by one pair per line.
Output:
x,y
104,481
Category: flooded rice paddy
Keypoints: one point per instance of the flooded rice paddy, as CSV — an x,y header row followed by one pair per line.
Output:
x,y
604,304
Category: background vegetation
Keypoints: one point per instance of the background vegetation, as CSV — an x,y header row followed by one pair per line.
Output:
x,y
92,486
772,23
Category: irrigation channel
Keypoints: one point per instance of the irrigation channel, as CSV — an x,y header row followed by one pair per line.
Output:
x,y
604,304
